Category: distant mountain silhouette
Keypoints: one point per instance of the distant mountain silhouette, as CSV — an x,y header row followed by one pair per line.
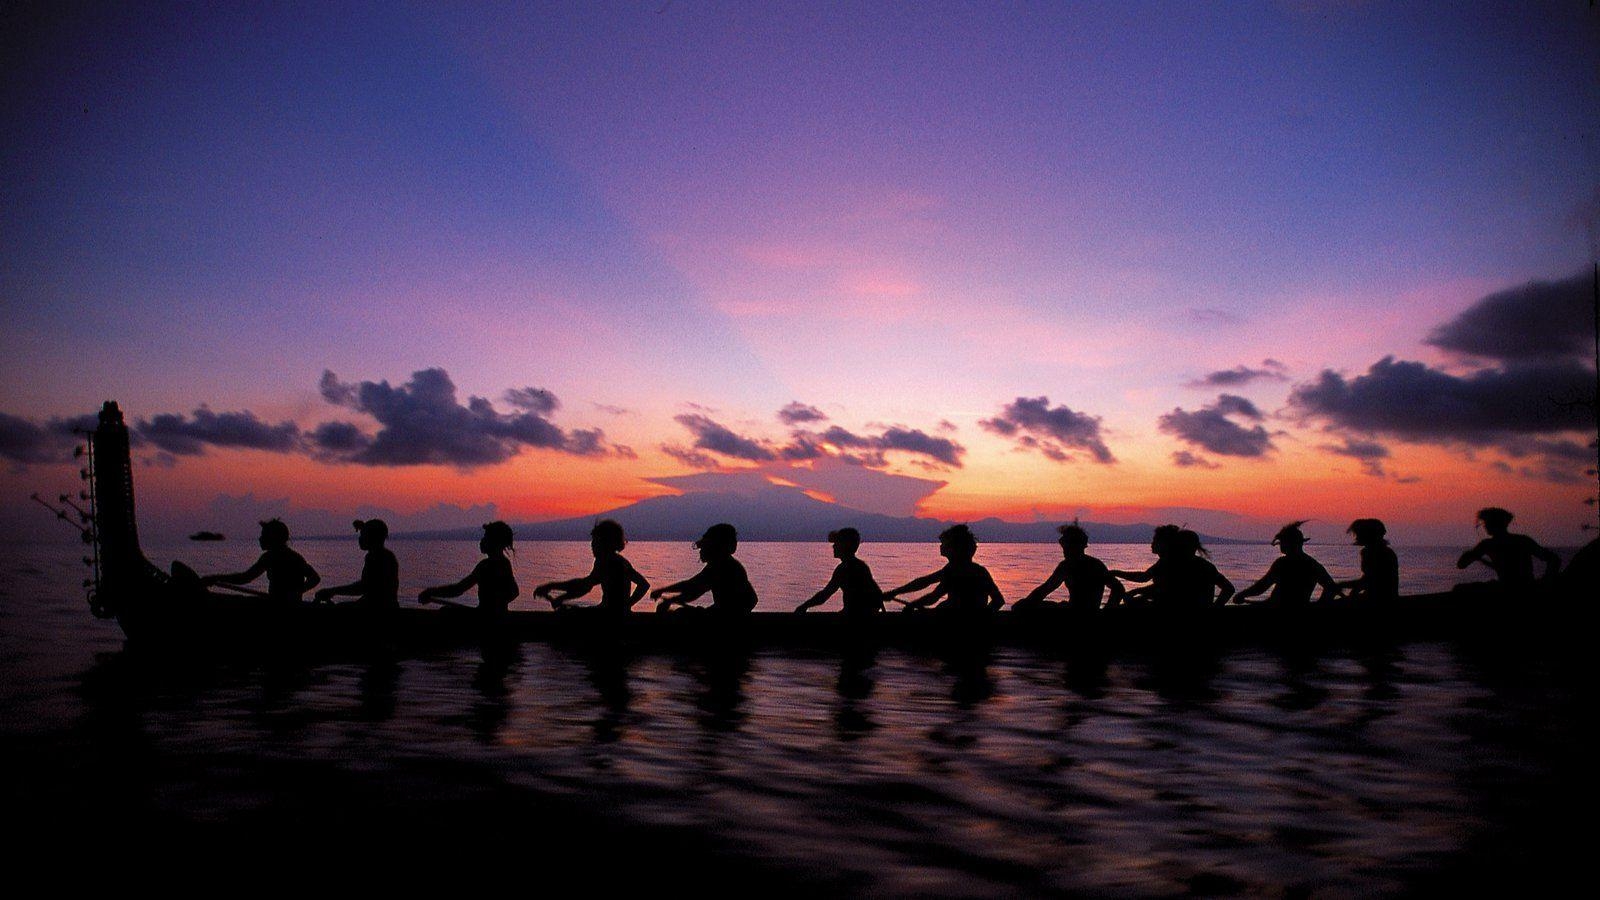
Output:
x,y
780,513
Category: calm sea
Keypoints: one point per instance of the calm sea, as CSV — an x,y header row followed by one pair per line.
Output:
x,y
1388,769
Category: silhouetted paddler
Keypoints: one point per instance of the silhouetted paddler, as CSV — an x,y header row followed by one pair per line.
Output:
x,y
289,576
621,585
1181,579
496,583
1087,579
723,577
1292,576
1510,555
965,586
862,596
1380,568
379,584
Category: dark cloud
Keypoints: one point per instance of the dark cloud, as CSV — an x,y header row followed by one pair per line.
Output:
x,y
190,435
894,438
861,449
1538,321
1050,451
852,486
334,391
534,400
692,458
1412,402
25,442
1551,470
1370,454
1234,405
1570,451
421,422
1210,428
1186,460
590,442
1051,430
798,413
339,438
912,440
718,438
1271,370
803,445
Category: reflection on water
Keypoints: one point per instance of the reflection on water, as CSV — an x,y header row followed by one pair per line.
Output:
x,y
1368,769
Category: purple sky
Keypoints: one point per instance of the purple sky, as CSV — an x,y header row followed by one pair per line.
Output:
x,y
907,216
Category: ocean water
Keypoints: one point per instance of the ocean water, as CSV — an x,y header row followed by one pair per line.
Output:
x,y
1350,771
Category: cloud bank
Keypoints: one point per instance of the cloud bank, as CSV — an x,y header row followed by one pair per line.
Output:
x,y
1540,321
1051,430
421,423
1212,428
1271,370
859,448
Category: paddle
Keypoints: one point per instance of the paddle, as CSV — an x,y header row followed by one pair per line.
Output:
x,y
427,600
252,592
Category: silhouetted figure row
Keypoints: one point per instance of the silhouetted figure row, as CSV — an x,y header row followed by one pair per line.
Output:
x,y
1182,579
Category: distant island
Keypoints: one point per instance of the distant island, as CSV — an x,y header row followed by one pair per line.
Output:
x,y
780,513
207,536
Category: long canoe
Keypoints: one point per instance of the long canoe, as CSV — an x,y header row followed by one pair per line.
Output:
x,y
155,607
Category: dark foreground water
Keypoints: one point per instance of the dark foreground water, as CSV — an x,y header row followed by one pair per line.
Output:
x,y
1351,771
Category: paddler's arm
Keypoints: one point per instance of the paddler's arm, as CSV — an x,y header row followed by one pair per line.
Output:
x,y
915,584
683,591
353,589
1260,586
1057,579
1471,556
571,588
996,600
1115,592
245,577
1222,582
821,597
449,590
1552,562
1330,588
641,585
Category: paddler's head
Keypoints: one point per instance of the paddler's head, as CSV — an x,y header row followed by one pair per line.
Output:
x,y
1367,532
1164,539
845,541
958,544
274,534
1290,539
371,533
720,540
606,537
1073,539
1495,520
496,538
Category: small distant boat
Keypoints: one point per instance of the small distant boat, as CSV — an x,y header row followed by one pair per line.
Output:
x,y
207,536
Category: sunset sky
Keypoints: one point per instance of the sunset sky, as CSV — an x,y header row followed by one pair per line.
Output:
x,y
1231,263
